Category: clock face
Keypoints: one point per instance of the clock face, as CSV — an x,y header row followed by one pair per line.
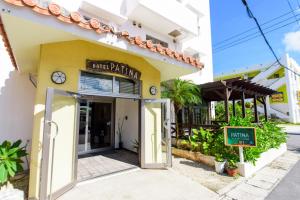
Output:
x,y
58,77
153,90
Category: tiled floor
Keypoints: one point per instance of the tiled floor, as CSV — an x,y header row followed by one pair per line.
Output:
x,y
108,162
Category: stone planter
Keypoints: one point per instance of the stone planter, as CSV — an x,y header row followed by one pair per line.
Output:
x,y
219,166
10,193
194,156
248,169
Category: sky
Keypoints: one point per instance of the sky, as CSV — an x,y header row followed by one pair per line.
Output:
x,y
229,18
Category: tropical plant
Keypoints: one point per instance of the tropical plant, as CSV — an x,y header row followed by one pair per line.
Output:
x,y
232,164
182,93
220,114
219,157
209,142
10,160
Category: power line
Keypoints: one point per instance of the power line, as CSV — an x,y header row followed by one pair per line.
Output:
x,y
237,42
253,28
288,1
250,14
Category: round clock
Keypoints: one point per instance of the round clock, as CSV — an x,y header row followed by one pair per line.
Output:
x,y
58,77
153,90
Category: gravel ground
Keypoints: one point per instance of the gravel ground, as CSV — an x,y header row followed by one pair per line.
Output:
x,y
203,174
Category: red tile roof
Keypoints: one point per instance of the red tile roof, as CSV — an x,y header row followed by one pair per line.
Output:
x,y
95,25
7,45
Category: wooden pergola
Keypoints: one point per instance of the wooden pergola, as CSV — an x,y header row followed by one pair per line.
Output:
x,y
233,90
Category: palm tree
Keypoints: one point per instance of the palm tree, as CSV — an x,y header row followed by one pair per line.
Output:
x,y
182,93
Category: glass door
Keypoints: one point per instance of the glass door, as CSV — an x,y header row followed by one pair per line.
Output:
x,y
59,153
156,135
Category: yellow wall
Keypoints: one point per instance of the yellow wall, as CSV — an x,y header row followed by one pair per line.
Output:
x,y
284,92
70,57
250,74
280,72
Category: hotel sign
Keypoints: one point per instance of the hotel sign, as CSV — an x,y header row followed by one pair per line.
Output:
x,y
240,136
113,67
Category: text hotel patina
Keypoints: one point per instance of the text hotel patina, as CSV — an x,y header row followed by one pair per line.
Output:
x,y
113,67
240,135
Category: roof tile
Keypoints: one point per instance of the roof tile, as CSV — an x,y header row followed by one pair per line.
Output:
x,y
99,28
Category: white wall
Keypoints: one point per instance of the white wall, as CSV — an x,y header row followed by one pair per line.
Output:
x,y
205,48
129,108
16,102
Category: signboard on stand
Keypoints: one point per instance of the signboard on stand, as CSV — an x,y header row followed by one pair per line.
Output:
x,y
240,137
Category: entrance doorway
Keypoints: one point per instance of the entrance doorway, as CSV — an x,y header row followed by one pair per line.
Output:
x,y
95,126
149,120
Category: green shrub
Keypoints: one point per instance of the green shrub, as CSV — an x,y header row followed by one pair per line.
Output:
x,y
208,142
268,135
10,160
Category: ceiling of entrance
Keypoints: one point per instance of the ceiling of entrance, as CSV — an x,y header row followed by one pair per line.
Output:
x,y
26,37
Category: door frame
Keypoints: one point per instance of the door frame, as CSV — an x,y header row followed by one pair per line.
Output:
x,y
99,99
44,178
142,145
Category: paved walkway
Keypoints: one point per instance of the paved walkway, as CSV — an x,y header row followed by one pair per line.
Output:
x,y
282,174
203,174
289,187
103,163
141,185
264,181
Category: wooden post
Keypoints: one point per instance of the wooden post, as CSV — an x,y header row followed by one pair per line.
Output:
x,y
256,118
233,107
209,112
243,105
227,114
265,108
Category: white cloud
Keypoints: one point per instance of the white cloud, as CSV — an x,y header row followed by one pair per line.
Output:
x,y
292,41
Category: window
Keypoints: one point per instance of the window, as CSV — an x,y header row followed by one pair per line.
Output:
x,y
276,75
126,86
157,41
91,83
94,83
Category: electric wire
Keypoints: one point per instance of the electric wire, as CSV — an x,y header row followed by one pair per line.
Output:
x,y
253,28
250,38
250,14
289,3
256,34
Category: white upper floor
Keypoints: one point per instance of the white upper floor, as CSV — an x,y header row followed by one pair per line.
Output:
x,y
181,25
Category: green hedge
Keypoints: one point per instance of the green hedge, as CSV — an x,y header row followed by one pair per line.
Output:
x,y
268,135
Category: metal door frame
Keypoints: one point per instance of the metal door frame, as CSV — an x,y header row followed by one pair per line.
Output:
x,y
143,149
99,99
51,92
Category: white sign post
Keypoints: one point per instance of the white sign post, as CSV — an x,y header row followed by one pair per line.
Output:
x,y
241,152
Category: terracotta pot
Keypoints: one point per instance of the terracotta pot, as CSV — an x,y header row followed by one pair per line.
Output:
x,y
232,172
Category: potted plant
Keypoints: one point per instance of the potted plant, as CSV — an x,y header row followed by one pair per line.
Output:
x,y
136,145
10,164
219,163
232,169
